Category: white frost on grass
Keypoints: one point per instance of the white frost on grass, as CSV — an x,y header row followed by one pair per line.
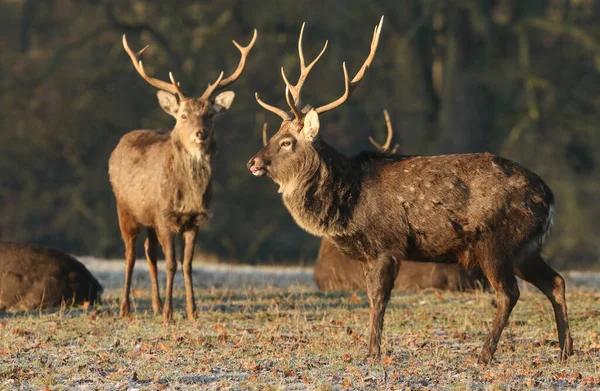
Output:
x,y
111,274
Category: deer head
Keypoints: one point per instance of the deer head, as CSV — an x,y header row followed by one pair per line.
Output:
x,y
194,116
292,148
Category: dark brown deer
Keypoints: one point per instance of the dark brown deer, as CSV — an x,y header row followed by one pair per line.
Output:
x,y
334,271
162,181
471,209
33,277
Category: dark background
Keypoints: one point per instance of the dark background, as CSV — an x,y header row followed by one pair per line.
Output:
x,y
517,78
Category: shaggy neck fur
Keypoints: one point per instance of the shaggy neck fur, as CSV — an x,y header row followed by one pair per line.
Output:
x,y
189,174
323,196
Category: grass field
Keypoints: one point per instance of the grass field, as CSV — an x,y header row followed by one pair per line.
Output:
x,y
296,338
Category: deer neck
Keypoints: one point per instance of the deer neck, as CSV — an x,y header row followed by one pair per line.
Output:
x,y
323,197
188,175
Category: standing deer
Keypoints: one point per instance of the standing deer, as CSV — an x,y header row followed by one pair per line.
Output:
x,y
471,209
334,271
162,181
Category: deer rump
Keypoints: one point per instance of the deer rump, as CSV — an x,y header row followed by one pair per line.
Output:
x,y
336,272
34,277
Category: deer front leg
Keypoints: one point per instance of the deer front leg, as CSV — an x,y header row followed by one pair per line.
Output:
x,y
189,239
129,232
166,242
380,275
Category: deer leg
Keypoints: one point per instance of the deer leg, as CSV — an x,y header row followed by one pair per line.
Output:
x,y
502,279
380,275
150,246
537,272
189,238
166,241
129,232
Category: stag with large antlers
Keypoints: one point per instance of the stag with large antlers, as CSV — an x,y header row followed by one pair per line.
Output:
x,y
162,181
471,209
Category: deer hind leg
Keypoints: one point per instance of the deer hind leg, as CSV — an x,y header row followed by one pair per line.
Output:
x,y
150,245
380,276
502,278
129,231
537,272
189,240
166,241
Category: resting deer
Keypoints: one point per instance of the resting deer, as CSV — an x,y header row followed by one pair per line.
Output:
x,y
471,209
162,181
334,271
33,277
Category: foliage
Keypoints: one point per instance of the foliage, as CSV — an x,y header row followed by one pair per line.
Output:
x,y
512,77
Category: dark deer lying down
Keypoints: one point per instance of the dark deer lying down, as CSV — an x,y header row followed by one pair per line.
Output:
x,y
162,181
334,271
472,209
33,277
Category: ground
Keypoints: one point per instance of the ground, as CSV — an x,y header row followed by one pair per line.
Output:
x,y
261,329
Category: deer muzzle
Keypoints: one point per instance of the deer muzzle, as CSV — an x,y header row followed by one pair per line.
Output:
x,y
200,136
257,166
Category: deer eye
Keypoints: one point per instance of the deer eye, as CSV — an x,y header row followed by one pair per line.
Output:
x,y
183,116
285,144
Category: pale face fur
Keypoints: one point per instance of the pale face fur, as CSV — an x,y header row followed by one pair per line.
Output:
x,y
195,118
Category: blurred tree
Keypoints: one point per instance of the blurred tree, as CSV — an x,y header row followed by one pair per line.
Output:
x,y
512,77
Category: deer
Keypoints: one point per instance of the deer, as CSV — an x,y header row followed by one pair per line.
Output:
x,y
474,209
334,272
35,277
162,180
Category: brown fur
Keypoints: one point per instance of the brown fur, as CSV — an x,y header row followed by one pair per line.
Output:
x,y
476,210
162,182
335,272
33,277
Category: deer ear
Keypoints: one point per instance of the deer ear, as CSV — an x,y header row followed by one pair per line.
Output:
x,y
311,124
168,102
223,101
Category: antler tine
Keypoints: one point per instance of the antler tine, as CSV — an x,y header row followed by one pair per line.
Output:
x,y
176,85
264,134
212,87
304,70
351,85
390,130
244,51
295,109
139,67
281,113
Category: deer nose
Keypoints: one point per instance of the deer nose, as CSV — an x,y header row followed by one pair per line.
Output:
x,y
256,166
201,134
251,163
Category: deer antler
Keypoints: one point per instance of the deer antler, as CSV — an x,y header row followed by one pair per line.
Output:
x,y
172,87
351,85
385,147
222,83
294,90
304,71
280,112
